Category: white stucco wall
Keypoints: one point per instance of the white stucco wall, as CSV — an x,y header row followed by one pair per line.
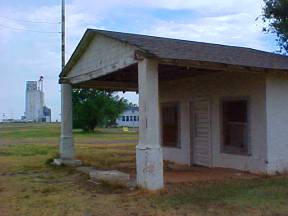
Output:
x,y
277,123
216,87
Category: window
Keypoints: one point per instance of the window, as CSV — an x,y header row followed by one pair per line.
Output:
x,y
127,118
135,118
235,126
170,125
123,118
131,118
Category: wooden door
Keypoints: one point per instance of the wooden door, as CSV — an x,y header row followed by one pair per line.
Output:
x,y
200,132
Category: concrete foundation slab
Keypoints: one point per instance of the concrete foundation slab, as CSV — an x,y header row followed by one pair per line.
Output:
x,y
85,169
111,176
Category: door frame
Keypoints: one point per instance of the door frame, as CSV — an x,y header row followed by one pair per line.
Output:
x,y
192,128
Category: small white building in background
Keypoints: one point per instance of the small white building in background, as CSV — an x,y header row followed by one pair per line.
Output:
x,y
129,118
35,110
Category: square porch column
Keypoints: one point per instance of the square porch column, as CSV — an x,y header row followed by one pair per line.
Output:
x,y
66,143
149,157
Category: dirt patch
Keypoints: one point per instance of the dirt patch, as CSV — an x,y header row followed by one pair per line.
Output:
x,y
203,174
4,211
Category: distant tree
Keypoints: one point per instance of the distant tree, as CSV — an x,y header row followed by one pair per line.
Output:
x,y
132,105
275,13
93,108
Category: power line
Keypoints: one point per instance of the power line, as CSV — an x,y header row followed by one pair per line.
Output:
x,y
31,21
28,30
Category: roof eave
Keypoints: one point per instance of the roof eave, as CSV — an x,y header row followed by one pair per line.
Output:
x,y
219,66
141,53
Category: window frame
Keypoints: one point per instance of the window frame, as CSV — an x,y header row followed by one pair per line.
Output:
x,y
235,150
169,104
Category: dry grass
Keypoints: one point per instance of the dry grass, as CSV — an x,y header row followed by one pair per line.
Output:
x,y
28,186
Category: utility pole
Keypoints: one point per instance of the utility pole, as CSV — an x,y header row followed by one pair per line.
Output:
x,y
63,34
66,147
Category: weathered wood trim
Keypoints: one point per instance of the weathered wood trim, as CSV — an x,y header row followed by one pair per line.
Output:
x,y
108,85
102,71
217,66
63,80
141,55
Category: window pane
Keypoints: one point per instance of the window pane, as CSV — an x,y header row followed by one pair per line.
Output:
x,y
235,124
235,111
170,123
123,118
135,118
127,118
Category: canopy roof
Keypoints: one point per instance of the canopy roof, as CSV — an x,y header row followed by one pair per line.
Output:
x,y
174,49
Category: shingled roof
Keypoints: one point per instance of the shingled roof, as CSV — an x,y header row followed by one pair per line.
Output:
x,y
175,49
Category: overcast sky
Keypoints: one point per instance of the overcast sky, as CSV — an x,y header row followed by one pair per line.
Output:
x,y
26,55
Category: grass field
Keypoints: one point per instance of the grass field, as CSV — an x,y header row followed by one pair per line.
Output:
x,y
30,186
